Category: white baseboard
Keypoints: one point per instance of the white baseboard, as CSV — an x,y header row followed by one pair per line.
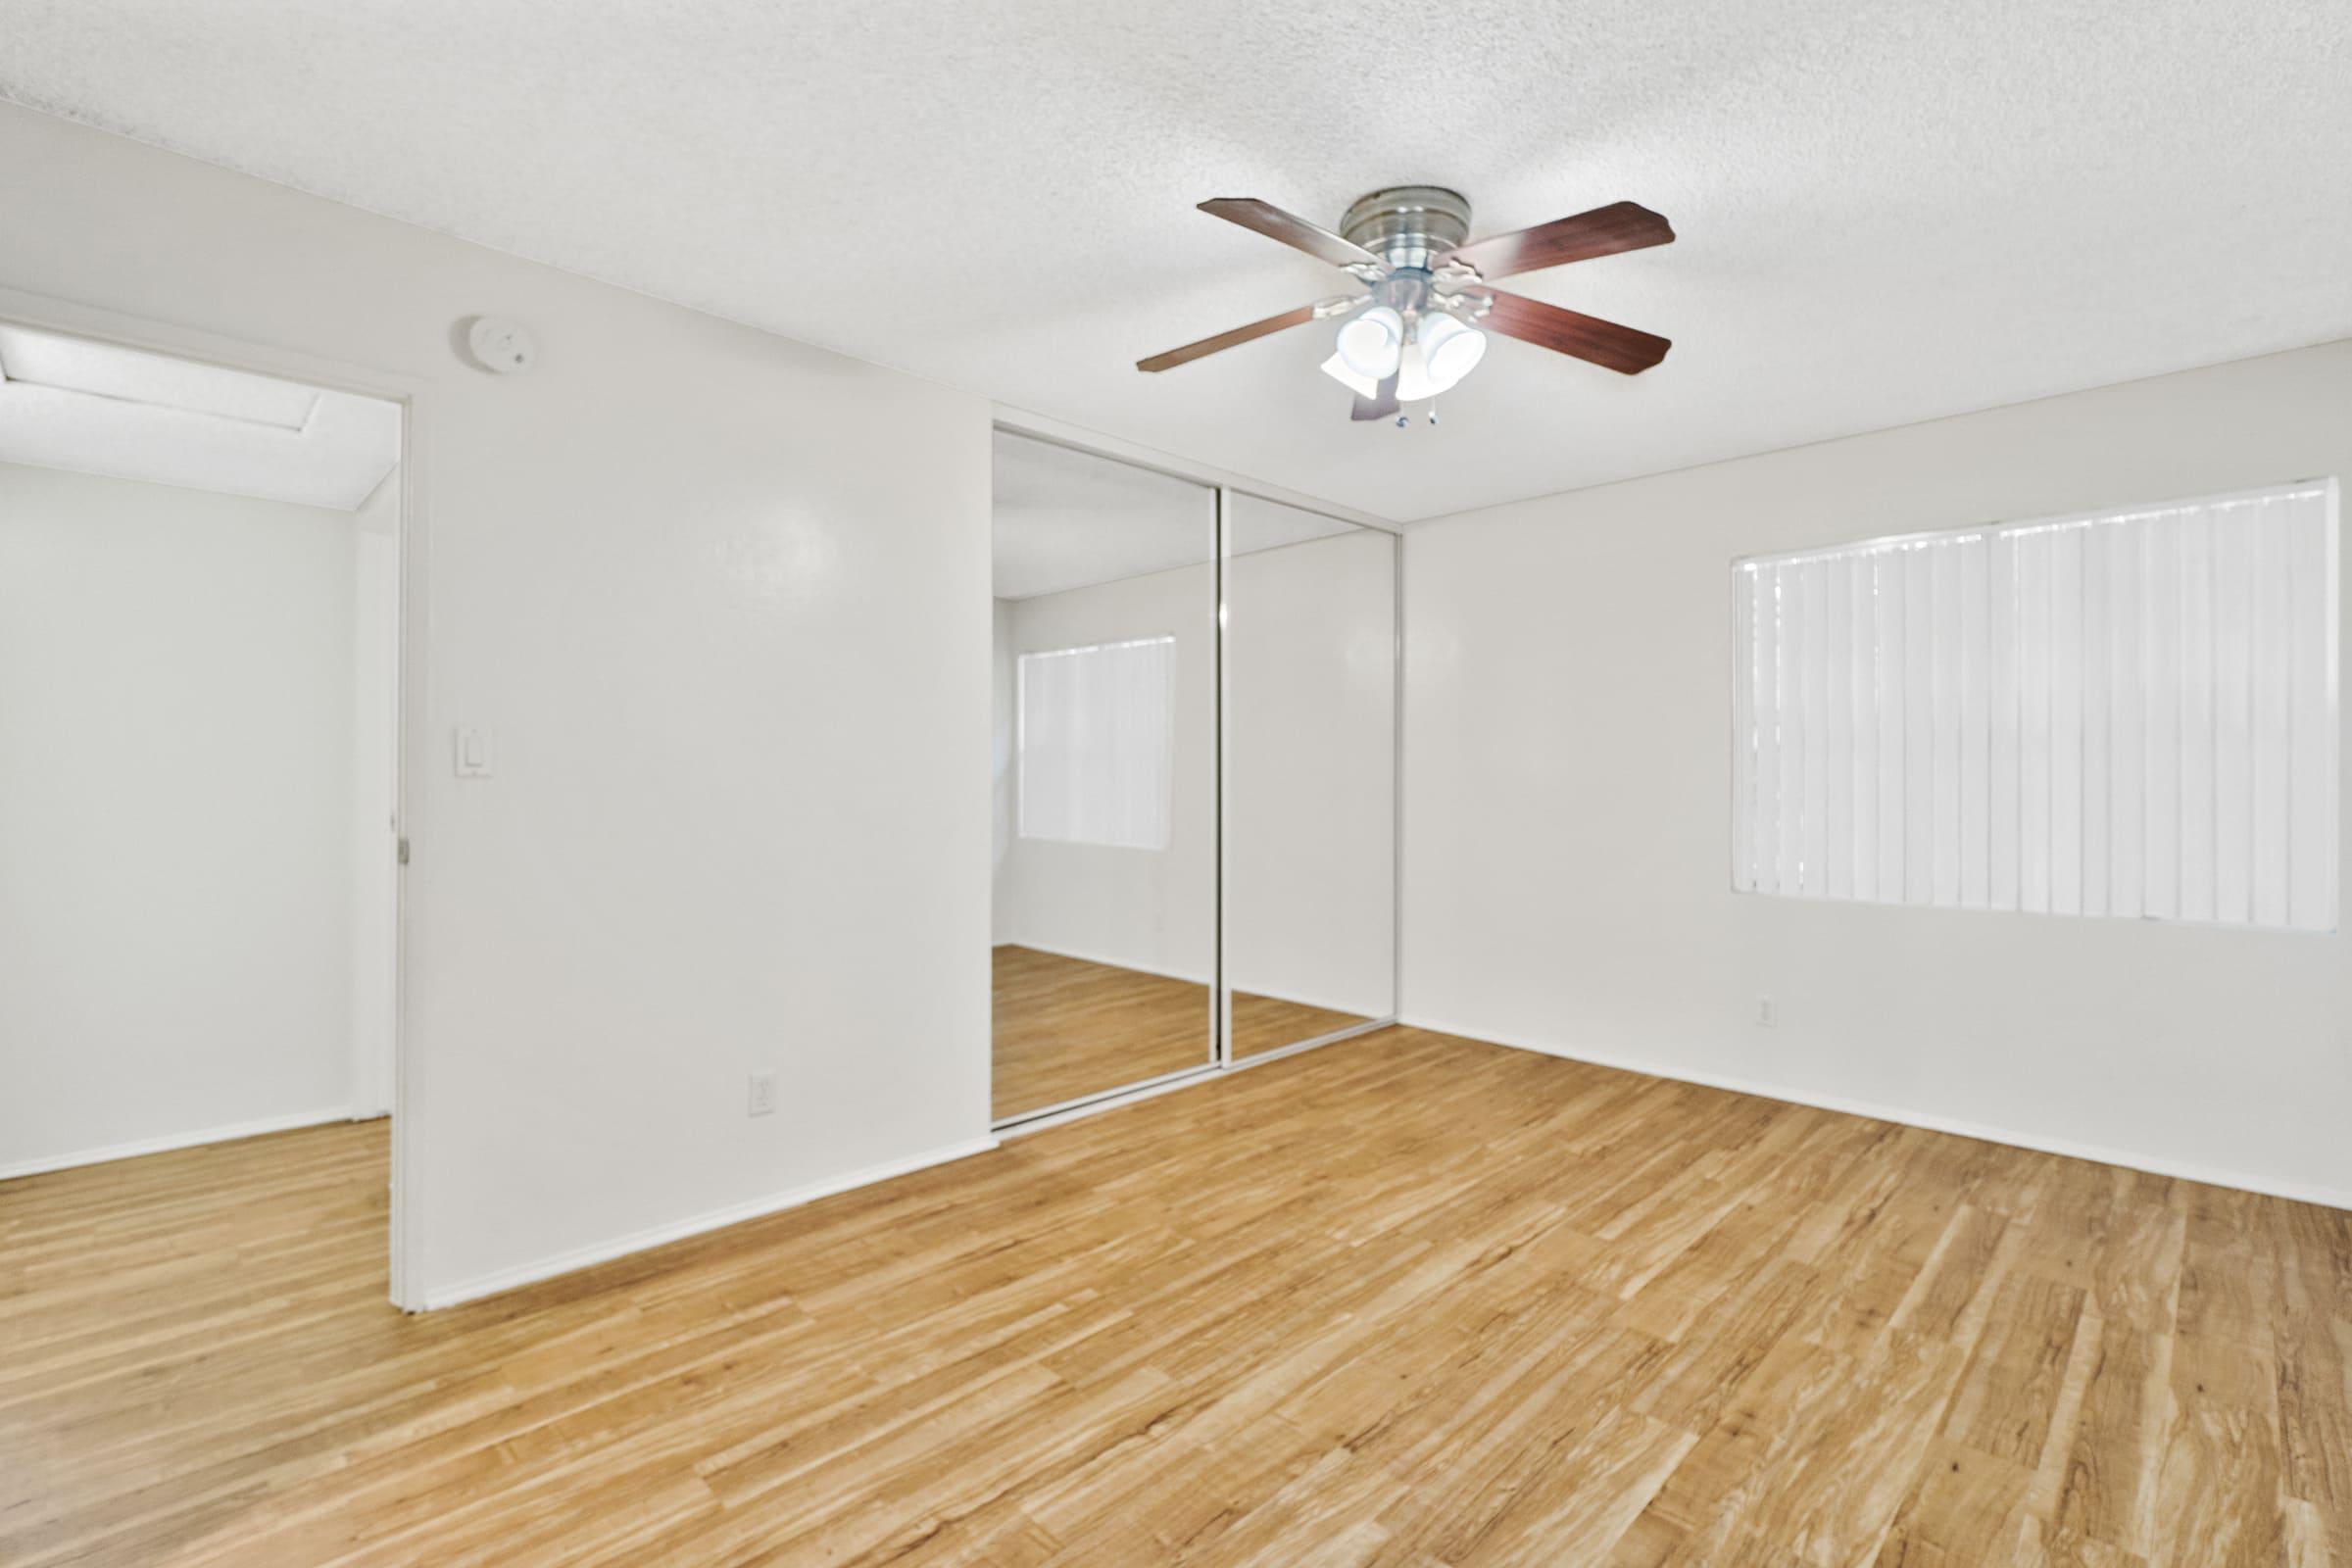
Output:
x,y
579,1257
2129,1159
170,1141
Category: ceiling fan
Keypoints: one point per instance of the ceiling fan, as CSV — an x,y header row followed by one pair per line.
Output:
x,y
1416,328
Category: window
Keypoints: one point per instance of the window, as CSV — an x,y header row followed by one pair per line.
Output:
x,y
1097,743
2127,714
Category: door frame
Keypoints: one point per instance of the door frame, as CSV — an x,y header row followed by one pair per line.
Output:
x,y
410,667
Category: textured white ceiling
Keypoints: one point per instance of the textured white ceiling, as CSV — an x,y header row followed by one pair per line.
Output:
x,y
1887,212
98,408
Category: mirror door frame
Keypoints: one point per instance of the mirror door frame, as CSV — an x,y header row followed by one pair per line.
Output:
x,y
1224,485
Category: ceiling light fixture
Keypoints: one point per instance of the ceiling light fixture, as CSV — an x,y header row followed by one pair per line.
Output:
x,y
1371,341
1436,350
1356,381
1452,346
1429,288
1414,382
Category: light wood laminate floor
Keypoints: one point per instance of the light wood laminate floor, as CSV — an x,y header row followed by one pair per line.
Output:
x,y
1407,1300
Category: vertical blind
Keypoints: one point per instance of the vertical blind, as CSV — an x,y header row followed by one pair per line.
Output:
x,y
1096,742
2130,713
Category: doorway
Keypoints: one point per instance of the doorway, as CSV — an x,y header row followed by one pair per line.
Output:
x,y
200,836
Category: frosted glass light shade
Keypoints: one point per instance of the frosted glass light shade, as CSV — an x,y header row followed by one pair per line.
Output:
x,y
1452,349
1369,342
1413,385
1364,386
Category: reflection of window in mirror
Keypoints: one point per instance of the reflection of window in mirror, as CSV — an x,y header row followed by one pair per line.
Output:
x,y
1096,736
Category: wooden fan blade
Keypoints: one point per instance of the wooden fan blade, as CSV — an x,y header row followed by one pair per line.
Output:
x,y
1288,227
1623,349
1225,340
1377,408
1603,232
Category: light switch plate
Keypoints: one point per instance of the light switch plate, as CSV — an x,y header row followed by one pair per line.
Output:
x,y
473,754
763,1094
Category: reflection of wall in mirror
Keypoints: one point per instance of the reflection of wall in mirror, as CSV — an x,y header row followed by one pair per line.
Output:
x,y
1310,772
1003,780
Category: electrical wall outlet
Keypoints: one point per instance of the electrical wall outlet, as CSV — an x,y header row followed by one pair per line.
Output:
x,y
1768,1012
763,1094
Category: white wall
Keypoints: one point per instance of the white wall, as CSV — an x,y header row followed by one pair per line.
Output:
x,y
722,598
1310,827
1567,809
1148,909
1004,768
375,797
176,742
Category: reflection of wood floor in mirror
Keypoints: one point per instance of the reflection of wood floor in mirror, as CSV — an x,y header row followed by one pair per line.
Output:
x,y
1065,1028
1268,1024
1406,1301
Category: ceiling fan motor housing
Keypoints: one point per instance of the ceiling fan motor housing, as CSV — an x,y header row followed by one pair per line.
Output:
x,y
1408,226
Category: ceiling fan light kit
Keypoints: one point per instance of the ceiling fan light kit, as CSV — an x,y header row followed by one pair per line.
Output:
x,y
1370,342
1422,322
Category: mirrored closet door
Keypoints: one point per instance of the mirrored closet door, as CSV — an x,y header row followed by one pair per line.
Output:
x,y
1310,706
1105,784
